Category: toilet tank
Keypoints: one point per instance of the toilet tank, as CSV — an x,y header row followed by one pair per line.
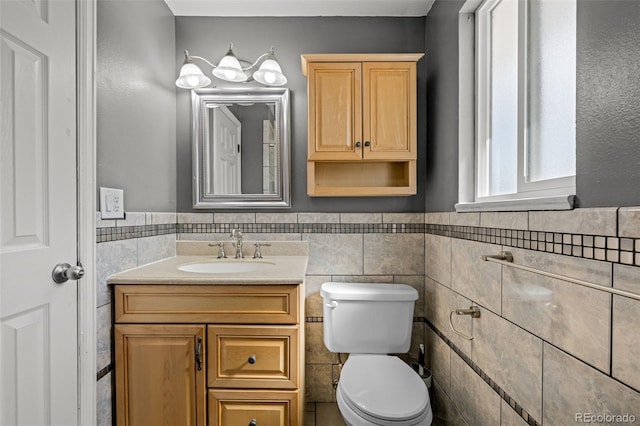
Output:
x,y
367,318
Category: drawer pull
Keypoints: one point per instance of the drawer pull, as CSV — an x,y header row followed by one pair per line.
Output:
x,y
252,360
199,353
253,422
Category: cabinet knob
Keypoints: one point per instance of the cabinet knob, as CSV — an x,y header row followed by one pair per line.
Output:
x,y
252,359
367,143
253,422
358,144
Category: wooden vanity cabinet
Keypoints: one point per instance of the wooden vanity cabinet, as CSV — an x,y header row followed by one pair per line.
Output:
x,y
216,355
362,124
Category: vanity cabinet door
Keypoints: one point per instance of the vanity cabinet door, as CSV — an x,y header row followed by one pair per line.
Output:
x,y
160,374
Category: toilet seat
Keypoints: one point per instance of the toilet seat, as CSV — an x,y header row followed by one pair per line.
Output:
x,y
383,390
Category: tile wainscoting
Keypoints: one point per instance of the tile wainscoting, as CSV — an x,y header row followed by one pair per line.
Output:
x,y
544,351
533,330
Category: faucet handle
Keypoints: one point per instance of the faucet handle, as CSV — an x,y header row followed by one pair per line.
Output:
x,y
221,253
258,254
235,233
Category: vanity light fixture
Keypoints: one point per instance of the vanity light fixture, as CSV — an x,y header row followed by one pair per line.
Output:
x,y
264,70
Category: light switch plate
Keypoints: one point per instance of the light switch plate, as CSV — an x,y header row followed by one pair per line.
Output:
x,y
111,203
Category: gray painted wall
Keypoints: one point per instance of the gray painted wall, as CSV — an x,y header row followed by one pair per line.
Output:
x,y
608,103
136,103
608,106
441,182
208,37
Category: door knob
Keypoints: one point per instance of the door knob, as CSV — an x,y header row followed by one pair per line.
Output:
x,y
64,272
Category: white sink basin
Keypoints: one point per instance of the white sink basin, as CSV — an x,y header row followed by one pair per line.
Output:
x,y
226,266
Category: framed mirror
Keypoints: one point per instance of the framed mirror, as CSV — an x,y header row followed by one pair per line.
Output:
x,y
241,148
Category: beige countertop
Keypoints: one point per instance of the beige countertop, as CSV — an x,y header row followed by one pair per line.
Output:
x,y
287,267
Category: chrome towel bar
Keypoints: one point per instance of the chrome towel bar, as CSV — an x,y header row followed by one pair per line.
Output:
x,y
506,258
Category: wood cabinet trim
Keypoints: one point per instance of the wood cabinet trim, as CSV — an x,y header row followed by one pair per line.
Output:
x,y
357,57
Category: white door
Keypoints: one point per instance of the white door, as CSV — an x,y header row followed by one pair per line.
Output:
x,y
38,318
227,152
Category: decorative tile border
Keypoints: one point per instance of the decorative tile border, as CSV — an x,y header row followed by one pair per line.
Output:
x,y
304,228
321,319
117,233
606,248
598,247
505,396
106,370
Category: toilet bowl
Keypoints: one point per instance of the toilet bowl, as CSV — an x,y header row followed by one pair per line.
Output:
x,y
381,390
369,321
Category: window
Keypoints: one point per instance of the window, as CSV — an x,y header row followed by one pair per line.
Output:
x,y
525,107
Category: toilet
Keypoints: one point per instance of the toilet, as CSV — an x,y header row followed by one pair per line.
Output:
x,y
370,321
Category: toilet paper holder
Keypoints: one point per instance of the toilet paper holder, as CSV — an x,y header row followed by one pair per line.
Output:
x,y
473,310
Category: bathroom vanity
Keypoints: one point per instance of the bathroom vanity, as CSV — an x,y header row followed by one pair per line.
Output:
x,y
220,346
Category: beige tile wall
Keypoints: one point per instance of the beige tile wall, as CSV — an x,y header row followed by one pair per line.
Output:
x,y
113,257
550,345
554,347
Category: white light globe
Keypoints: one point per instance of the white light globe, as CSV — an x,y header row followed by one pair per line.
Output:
x,y
270,74
229,69
191,77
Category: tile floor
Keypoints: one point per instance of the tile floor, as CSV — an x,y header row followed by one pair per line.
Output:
x,y
323,414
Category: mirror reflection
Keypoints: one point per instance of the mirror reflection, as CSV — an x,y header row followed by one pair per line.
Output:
x,y
243,141
241,148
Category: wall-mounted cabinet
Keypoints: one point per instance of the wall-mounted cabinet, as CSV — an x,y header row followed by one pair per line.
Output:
x,y
362,124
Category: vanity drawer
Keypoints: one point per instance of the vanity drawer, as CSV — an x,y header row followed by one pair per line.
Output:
x,y
239,304
240,408
253,357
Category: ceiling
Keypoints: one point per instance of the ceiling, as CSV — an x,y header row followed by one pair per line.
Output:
x,y
300,7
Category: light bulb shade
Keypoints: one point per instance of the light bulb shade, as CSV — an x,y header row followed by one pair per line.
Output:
x,y
191,77
229,69
270,74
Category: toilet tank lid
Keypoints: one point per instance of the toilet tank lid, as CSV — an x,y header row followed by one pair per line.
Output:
x,y
368,291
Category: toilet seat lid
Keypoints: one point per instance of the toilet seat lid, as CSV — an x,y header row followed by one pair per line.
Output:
x,y
383,387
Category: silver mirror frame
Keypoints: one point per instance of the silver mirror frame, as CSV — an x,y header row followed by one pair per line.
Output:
x,y
199,99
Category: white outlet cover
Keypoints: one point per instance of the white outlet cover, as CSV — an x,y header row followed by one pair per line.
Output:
x,y
111,203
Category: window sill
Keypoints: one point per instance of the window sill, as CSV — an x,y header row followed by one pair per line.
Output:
x,y
564,202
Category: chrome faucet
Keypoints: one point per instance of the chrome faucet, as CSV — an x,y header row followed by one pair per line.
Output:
x,y
238,244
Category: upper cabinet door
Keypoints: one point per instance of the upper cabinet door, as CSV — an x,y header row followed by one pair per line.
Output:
x,y
335,111
389,115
